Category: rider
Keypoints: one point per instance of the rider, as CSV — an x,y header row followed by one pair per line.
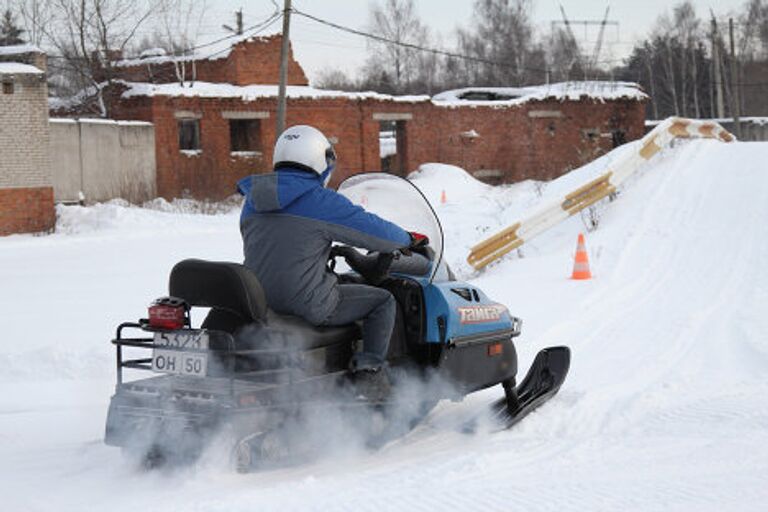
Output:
x,y
288,223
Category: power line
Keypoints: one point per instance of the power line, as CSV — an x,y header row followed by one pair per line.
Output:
x,y
263,26
435,51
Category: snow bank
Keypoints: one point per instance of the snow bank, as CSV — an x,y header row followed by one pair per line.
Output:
x,y
562,91
433,179
19,49
119,215
214,50
573,91
16,68
664,408
251,92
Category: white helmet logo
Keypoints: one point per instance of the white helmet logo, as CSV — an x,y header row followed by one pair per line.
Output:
x,y
292,136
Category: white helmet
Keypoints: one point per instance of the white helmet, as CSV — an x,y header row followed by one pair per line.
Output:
x,y
305,147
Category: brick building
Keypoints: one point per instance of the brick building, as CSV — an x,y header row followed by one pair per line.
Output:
x,y
26,193
211,132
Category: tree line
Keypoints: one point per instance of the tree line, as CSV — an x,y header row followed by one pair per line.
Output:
x,y
691,63
681,64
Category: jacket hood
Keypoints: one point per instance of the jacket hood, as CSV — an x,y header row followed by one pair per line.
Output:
x,y
277,190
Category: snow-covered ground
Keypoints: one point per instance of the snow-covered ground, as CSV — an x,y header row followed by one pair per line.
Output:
x,y
665,407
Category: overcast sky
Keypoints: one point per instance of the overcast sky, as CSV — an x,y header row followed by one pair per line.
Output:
x,y
318,47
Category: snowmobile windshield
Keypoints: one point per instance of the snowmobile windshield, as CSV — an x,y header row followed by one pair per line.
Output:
x,y
397,200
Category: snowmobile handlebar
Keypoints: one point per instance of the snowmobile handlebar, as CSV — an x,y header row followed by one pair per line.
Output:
x,y
374,267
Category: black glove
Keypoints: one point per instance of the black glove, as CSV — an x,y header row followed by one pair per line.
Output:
x,y
374,267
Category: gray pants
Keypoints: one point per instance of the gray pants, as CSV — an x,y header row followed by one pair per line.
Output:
x,y
376,308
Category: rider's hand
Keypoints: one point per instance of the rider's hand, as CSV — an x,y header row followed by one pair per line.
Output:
x,y
419,243
418,240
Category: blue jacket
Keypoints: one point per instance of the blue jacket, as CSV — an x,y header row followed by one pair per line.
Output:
x,y
288,223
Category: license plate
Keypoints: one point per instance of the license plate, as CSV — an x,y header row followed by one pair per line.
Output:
x,y
180,362
196,340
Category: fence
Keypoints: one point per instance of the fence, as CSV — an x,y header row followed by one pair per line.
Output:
x,y
588,194
96,160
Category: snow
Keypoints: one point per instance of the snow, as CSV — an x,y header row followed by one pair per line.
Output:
x,y
209,51
17,68
562,91
153,52
251,92
387,144
664,408
567,91
19,49
91,120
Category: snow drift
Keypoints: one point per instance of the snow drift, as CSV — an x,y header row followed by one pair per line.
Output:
x,y
664,410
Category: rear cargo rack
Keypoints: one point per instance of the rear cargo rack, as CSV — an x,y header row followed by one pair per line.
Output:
x,y
227,353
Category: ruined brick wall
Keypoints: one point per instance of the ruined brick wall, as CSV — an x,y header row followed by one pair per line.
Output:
x,y
212,171
258,62
26,210
255,61
26,194
537,140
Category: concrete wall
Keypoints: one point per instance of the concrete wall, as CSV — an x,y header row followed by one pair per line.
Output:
x,y
103,160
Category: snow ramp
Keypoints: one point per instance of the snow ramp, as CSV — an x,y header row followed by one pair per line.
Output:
x,y
665,405
549,214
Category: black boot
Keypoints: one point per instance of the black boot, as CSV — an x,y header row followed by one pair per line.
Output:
x,y
371,384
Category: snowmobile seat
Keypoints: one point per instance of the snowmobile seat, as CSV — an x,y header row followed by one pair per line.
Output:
x,y
239,307
229,287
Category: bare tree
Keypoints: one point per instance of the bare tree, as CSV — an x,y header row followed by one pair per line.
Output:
x,y
502,32
687,31
35,15
179,23
89,35
563,56
398,21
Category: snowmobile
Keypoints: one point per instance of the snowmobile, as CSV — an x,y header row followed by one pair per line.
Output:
x,y
255,373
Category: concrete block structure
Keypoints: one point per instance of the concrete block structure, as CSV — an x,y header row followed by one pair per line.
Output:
x,y
26,194
99,159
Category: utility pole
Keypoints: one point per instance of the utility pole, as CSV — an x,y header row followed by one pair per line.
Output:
x,y
281,106
735,101
718,74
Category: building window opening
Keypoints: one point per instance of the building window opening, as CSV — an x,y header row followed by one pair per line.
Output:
x,y
618,138
7,87
388,145
189,134
393,146
245,136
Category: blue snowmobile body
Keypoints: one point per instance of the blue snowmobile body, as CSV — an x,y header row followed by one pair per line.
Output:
x,y
253,371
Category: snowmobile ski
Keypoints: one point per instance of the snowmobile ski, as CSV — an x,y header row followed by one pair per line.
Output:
x,y
543,380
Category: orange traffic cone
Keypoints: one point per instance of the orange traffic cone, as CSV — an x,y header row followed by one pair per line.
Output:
x,y
443,198
581,261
